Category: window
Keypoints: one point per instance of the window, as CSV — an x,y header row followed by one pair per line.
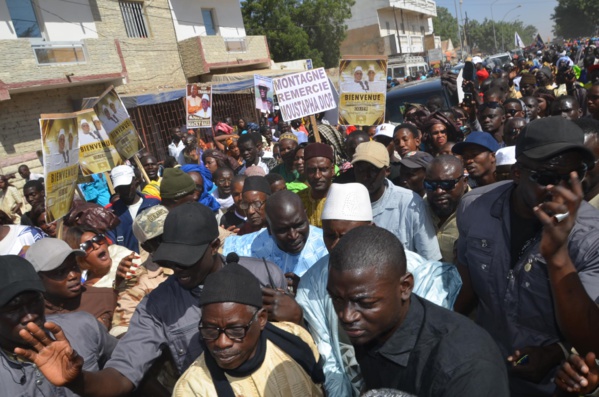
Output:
x,y
24,18
133,16
209,24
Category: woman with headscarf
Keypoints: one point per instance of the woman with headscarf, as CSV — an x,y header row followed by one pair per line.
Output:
x,y
438,130
214,159
545,98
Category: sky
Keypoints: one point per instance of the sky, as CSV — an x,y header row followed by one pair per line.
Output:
x,y
533,12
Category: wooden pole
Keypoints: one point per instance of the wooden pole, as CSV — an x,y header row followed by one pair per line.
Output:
x,y
109,182
315,128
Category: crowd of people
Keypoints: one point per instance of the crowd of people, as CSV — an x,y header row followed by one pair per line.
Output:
x,y
454,254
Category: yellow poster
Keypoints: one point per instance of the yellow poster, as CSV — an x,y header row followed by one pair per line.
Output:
x,y
363,84
116,122
60,148
97,154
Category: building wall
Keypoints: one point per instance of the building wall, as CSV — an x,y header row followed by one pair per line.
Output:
x,y
19,125
363,41
188,21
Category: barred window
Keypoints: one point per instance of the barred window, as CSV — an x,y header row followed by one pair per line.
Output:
x,y
133,16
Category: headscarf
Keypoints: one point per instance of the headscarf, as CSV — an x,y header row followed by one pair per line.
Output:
x,y
206,198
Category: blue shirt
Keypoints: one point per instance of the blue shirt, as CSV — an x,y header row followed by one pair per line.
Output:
x,y
260,244
403,213
438,282
123,233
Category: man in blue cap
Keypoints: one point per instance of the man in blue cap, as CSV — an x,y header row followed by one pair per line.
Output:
x,y
478,152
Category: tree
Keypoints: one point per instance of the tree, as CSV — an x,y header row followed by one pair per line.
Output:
x,y
480,35
298,29
575,18
446,26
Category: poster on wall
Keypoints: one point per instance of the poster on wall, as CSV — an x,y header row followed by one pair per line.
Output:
x,y
60,152
363,91
264,94
116,122
304,94
199,106
97,153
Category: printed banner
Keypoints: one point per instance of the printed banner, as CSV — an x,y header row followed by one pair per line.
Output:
x,y
363,84
97,154
264,93
116,122
60,149
303,94
199,106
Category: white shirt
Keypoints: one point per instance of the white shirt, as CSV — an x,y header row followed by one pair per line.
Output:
x,y
177,152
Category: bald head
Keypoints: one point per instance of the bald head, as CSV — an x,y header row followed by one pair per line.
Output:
x,y
369,248
283,203
447,162
287,221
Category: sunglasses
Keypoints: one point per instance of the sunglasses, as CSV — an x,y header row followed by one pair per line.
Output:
x,y
592,97
444,185
490,105
514,131
544,178
512,111
88,245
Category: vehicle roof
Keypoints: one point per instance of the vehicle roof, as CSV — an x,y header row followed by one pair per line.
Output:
x,y
432,84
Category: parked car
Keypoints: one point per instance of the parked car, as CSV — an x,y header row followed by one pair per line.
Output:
x,y
416,92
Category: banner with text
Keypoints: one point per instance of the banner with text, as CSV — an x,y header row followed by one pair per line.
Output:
x,y
97,154
263,93
363,84
199,106
60,150
303,94
116,122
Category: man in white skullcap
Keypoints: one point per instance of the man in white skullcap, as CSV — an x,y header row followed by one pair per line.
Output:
x,y
206,111
347,207
505,158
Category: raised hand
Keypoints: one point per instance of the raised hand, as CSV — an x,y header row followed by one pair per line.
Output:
x,y
56,359
534,362
281,306
124,270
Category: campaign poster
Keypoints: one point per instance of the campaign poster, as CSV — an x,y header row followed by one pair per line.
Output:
x,y
97,153
116,122
60,152
264,94
363,86
303,94
199,106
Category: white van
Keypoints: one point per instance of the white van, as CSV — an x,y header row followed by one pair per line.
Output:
x,y
398,67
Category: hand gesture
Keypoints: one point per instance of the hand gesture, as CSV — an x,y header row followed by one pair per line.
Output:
x,y
281,306
534,362
292,282
578,375
124,270
56,359
556,229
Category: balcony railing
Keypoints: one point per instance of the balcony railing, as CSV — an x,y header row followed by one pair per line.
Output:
x,y
59,52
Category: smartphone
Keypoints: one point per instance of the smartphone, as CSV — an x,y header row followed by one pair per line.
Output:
x,y
468,97
468,74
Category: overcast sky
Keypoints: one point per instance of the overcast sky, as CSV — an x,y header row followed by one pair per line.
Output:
x,y
534,12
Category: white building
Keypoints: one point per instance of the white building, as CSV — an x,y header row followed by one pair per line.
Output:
x,y
390,27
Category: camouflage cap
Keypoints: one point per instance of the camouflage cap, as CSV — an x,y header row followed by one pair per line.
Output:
x,y
150,223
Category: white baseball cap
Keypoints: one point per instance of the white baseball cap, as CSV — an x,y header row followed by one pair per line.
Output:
x,y
476,60
384,130
122,175
506,156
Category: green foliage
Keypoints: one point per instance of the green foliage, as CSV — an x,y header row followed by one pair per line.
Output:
x,y
574,18
480,35
298,29
446,26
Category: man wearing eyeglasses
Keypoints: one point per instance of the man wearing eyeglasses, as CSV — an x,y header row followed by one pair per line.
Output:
x,y
256,190
528,255
244,354
445,184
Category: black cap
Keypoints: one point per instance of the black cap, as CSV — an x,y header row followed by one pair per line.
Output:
x,y
256,183
17,275
416,160
188,231
234,283
548,137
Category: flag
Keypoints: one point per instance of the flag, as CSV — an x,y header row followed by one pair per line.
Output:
x,y
539,42
518,41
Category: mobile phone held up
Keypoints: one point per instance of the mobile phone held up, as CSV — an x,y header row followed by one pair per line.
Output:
x,y
469,73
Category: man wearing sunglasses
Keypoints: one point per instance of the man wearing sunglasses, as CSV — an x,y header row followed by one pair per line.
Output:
x,y
528,256
593,101
445,184
244,354
512,129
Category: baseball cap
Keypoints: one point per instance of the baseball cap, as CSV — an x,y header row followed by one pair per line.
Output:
x,y
49,253
176,184
17,275
550,136
384,130
150,223
188,231
372,152
479,138
476,60
416,160
121,175
505,156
